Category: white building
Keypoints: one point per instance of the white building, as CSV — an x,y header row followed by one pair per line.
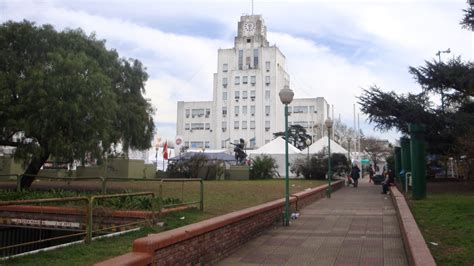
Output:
x,y
245,97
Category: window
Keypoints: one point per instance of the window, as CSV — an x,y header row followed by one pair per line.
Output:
x,y
224,111
252,124
224,82
208,112
237,95
267,95
186,126
255,58
252,95
207,144
267,80
236,110
224,68
186,143
252,80
236,125
249,40
207,126
301,123
187,113
244,109
311,110
197,112
252,110
224,96
245,79
300,109
247,61
196,144
267,110
244,124
197,126
241,59
267,66
224,125
290,110
244,95
237,80
267,125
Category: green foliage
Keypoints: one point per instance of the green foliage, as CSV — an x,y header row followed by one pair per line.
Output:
x,y
391,162
317,166
68,95
263,167
187,168
296,135
453,82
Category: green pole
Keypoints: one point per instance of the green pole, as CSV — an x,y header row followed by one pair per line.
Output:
x,y
398,162
418,160
201,204
329,164
287,182
405,156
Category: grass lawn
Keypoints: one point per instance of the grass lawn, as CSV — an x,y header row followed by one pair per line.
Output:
x,y
448,220
220,197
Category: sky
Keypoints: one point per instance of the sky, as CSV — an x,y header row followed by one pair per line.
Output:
x,y
334,49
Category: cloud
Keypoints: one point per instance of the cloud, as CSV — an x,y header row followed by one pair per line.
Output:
x,y
333,48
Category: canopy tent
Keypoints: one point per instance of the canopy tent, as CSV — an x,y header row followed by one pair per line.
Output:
x,y
322,144
276,150
221,156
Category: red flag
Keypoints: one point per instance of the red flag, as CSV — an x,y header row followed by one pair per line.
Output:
x,y
165,151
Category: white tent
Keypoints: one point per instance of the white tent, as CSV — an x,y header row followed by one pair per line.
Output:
x,y
276,149
321,144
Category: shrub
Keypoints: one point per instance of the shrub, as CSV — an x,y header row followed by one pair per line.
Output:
x,y
187,168
317,166
263,167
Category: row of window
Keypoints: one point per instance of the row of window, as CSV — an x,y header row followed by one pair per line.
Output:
x,y
197,126
245,80
197,144
247,65
198,112
301,109
244,124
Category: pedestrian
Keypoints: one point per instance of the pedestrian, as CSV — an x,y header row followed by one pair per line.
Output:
x,y
389,181
371,173
355,174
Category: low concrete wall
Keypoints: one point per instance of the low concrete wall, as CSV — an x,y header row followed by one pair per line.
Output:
x,y
209,241
417,251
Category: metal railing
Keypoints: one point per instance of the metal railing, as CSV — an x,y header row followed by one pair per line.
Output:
x,y
86,228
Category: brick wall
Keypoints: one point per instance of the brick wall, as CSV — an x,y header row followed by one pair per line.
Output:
x,y
213,239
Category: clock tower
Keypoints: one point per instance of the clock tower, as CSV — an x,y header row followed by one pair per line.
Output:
x,y
251,32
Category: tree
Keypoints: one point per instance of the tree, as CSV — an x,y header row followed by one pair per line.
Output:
x,y
467,21
67,96
297,136
375,148
444,124
263,167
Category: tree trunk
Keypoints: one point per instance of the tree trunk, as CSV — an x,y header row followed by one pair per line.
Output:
x,y
33,169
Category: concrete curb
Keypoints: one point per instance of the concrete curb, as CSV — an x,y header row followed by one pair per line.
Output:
x,y
415,245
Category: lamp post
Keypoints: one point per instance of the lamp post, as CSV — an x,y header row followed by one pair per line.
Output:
x,y
349,150
308,143
328,124
286,96
447,51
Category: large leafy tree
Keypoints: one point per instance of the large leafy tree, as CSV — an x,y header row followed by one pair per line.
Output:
x,y
445,124
68,96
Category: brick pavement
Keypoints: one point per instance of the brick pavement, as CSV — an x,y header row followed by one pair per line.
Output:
x,y
357,226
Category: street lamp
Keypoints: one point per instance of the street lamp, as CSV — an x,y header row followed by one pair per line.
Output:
x,y
349,151
286,96
328,124
308,143
447,51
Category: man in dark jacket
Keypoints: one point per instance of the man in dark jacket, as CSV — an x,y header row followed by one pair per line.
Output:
x,y
389,181
355,174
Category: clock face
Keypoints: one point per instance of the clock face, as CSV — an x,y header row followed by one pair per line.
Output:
x,y
249,28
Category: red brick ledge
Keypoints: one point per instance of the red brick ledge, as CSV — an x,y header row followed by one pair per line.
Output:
x,y
415,245
131,259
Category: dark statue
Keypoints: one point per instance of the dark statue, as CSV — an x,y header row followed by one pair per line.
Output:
x,y
239,152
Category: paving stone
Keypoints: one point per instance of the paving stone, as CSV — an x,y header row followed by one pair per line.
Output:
x,y
355,227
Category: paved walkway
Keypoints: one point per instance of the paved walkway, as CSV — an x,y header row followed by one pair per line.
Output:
x,y
357,226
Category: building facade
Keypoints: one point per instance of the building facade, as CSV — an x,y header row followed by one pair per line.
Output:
x,y
245,100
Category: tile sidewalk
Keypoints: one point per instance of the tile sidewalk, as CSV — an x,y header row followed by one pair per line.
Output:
x,y
357,226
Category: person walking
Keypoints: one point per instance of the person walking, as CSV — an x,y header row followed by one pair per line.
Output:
x,y
371,173
355,174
